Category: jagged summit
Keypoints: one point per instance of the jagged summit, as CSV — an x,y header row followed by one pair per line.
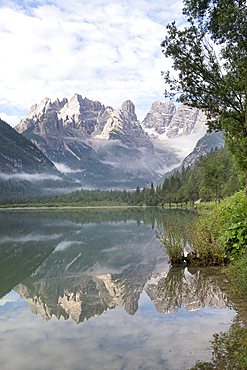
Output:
x,y
37,111
103,145
164,121
122,124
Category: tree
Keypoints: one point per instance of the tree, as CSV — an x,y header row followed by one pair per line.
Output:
x,y
211,172
190,190
213,82
137,195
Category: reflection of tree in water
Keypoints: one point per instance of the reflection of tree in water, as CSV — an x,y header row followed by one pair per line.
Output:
x,y
229,351
191,289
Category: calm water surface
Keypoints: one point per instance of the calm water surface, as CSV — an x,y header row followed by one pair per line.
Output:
x,y
94,290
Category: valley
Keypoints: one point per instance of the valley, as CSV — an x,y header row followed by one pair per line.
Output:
x,y
102,147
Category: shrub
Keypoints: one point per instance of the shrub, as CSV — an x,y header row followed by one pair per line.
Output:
x,y
213,238
172,236
235,237
229,351
239,274
204,236
233,217
232,207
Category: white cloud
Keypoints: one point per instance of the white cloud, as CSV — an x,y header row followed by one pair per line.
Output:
x,y
106,50
66,169
29,177
10,119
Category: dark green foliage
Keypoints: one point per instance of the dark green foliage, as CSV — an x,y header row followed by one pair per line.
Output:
x,y
205,240
214,83
233,216
212,177
217,238
212,168
235,237
171,234
17,154
229,351
239,274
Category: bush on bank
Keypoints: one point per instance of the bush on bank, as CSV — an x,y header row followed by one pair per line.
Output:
x,y
215,238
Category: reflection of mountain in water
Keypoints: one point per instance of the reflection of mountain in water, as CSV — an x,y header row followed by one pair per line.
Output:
x,y
193,290
81,263
85,297
100,266
86,279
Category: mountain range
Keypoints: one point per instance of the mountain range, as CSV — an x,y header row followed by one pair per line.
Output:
x,y
103,147
81,143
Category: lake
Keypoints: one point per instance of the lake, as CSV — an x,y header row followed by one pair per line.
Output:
x,y
93,289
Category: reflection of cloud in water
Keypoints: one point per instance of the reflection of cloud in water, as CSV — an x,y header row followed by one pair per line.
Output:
x,y
115,340
105,270
29,238
61,223
9,298
65,244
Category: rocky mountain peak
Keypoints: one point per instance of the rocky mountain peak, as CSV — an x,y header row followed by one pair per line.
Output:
x,y
163,107
128,109
160,116
81,114
38,111
68,132
119,122
57,104
164,121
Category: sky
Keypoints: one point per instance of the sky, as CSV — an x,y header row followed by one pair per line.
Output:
x,y
103,50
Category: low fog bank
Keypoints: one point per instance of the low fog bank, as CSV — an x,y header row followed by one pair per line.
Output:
x,y
182,145
29,177
66,169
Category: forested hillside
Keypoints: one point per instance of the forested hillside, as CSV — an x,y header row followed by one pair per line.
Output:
x,y
212,177
24,169
18,154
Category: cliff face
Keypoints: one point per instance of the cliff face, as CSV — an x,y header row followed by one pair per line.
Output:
x,y
106,148
85,296
102,146
164,121
122,124
38,111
